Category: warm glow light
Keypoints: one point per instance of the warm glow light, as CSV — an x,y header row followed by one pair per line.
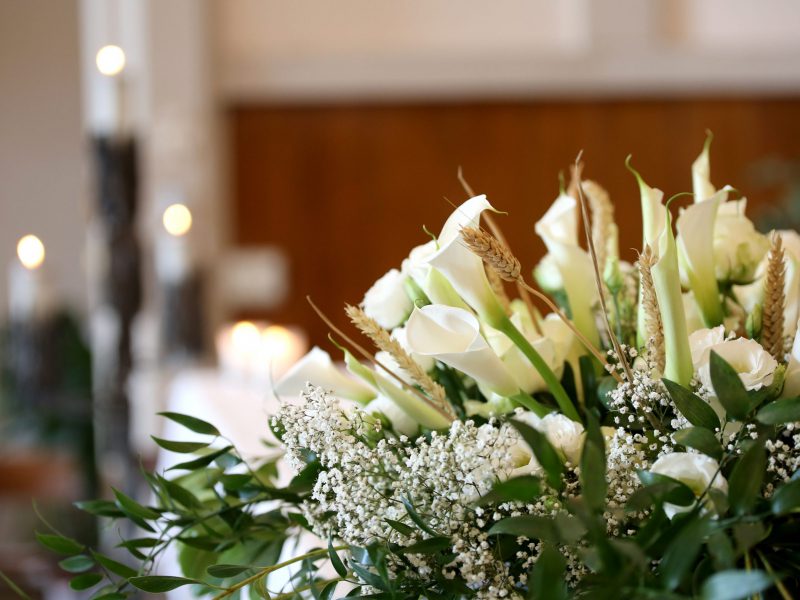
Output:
x,y
30,250
246,337
177,219
277,341
110,60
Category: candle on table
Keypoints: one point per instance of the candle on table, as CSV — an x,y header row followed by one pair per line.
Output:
x,y
30,295
174,259
259,352
110,61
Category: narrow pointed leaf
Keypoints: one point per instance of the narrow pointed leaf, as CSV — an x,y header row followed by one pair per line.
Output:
x,y
744,485
698,412
191,423
545,453
700,439
59,544
780,412
728,387
158,584
180,447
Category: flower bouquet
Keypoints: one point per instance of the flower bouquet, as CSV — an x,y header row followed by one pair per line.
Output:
x,y
638,439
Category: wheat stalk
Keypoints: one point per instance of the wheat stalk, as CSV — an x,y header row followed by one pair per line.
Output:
x,y
501,260
654,327
774,300
385,342
601,288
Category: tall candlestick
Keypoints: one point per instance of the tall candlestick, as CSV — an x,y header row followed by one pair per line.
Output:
x,y
110,61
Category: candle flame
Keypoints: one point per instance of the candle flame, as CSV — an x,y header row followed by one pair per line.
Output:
x,y
276,341
246,336
30,251
177,219
110,60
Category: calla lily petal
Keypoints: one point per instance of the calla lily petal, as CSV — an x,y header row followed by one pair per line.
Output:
x,y
318,368
701,173
666,279
463,269
558,228
452,335
696,251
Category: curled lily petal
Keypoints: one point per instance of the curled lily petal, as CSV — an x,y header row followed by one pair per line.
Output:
x,y
452,336
701,173
463,269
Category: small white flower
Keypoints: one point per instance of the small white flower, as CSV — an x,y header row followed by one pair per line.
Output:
x,y
387,302
754,365
695,470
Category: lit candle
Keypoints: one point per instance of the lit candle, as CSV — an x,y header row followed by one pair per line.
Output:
x,y
30,296
173,252
110,61
258,352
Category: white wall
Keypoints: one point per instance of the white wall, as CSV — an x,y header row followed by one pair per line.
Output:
x,y
42,146
315,49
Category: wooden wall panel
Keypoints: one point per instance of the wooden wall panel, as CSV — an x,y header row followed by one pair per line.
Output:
x,y
345,190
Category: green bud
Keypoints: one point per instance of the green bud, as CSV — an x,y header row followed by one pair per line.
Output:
x,y
753,323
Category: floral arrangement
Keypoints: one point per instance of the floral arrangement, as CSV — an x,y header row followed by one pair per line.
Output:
x,y
640,439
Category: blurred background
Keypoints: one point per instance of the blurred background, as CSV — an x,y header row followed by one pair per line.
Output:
x,y
176,177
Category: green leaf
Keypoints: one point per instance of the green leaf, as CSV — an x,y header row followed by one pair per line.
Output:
x,y
179,493
191,423
744,484
786,498
780,412
431,545
115,567
337,563
110,596
327,592
547,579
414,516
59,543
85,581
201,462
534,527
400,527
225,571
369,577
729,388
545,454
665,489
698,412
158,584
735,585
700,439
130,507
593,475
519,489
180,447
99,508
680,555
235,481
76,564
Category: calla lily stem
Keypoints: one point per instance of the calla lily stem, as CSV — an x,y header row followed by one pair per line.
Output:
x,y
553,384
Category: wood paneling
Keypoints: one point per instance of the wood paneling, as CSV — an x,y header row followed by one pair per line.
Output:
x,y
345,190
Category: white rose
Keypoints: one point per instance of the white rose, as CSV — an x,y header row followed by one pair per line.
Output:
x,y
696,471
701,341
754,365
416,265
564,434
791,383
387,302
738,247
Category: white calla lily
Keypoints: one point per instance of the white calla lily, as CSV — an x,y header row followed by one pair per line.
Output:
x,y
452,335
463,269
791,382
666,279
435,285
558,228
317,368
695,227
701,173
